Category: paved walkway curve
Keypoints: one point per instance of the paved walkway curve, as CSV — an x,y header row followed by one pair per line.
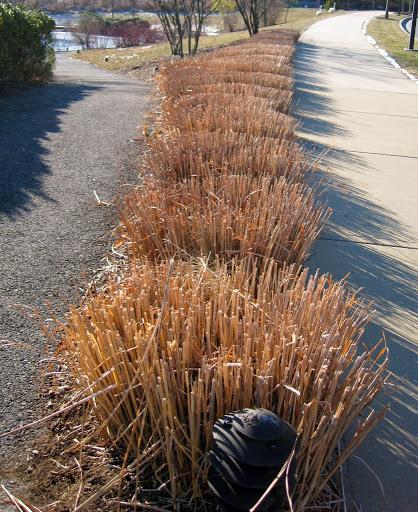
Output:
x,y
58,143
408,27
348,97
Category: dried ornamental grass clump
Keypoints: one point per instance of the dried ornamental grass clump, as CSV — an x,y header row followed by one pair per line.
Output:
x,y
251,49
268,64
173,83
177,156
245,64
225,216
173,347
233,65
215,116
278,37
199,104
169,346
279,99
255,116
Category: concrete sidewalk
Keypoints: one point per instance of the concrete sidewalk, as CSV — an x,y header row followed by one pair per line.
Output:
x,y
351,100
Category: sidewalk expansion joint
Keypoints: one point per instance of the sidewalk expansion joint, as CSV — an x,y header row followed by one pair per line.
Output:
x,y
376,113
381,154
376,91
362,242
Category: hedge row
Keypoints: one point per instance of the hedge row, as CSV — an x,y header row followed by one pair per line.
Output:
x,y
26,53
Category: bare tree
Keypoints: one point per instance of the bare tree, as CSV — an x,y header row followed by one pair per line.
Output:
x,y
173,23
85,30
132,4
252,11
198,12
272,10
182,22
387,10
112,7
227,9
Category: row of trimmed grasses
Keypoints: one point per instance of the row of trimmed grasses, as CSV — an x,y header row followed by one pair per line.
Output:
x,y
214,312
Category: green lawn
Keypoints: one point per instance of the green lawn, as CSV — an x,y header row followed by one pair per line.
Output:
x,y
127,59
389,36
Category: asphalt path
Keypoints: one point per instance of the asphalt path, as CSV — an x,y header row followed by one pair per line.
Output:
x,y
58,144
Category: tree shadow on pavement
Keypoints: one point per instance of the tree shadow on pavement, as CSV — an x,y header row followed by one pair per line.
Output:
x,y
26,121
356,218
310,100
352,244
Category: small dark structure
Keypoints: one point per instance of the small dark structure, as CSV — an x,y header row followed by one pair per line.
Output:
x,y
250,448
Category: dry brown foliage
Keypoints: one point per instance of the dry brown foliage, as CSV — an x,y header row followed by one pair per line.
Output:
x,y
244,63
265,50
170,346
177,156
224,215
279,99
178,345
217,112
179,82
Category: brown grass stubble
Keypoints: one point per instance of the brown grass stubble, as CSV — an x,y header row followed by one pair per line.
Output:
x,y
239,144
177,156
179,343
222,215
202,126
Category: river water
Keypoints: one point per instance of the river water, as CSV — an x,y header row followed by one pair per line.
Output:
x,y
66,42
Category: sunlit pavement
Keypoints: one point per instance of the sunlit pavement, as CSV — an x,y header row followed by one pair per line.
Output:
x,y
352,102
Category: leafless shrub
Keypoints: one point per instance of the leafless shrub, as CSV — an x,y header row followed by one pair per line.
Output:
x,y
182,21
252,13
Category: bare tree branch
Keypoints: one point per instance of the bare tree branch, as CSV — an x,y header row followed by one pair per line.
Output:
x,y
252,12
183,20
